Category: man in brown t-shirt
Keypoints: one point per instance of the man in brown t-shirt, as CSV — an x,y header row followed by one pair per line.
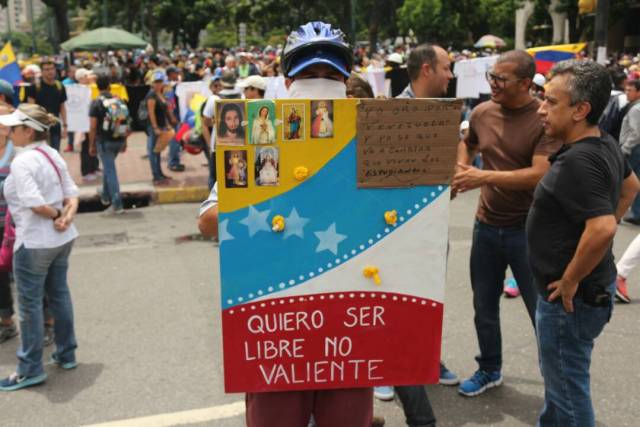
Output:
x,y
509,134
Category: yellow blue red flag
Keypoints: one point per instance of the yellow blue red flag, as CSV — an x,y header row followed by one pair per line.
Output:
x,y
9,68
547,56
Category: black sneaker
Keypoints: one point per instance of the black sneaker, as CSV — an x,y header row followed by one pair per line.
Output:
x,y
7,332
177,168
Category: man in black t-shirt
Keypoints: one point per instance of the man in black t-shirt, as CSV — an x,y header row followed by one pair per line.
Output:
x,y
570,230
51,94
104,144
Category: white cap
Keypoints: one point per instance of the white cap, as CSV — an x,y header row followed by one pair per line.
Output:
x,y
464,125
253,81
539,80
81,73
18,118
395,57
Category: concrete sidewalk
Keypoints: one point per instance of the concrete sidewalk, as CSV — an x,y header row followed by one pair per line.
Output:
x,y
134,174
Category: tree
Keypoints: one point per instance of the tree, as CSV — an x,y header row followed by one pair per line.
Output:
x,y
60,10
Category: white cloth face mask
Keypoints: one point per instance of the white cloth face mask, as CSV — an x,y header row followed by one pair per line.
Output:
x,y
317,89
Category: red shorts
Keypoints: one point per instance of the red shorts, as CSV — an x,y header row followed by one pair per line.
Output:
x,y
351,407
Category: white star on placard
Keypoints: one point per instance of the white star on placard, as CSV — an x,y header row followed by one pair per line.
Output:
x,y
223,233
329,239
295,225
256,221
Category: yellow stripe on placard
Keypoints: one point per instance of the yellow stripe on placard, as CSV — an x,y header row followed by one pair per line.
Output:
x,y
312,153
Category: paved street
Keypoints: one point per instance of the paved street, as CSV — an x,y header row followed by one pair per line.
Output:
x,y
148,325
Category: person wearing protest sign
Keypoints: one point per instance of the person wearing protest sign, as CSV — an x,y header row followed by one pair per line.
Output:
x,y
570,230
317,61
509,134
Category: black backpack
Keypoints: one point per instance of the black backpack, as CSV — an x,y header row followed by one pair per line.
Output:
x,y
611,119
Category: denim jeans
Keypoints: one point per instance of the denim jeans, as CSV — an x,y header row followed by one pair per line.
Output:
x,y
88,163
54,137
70,138
416,405
154,158
634,161
565,343
108,151
493,249
174,153
38,272
212,170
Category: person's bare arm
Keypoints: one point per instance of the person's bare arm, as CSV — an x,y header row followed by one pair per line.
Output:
x,y
594,242
46,211
93,131
63,117
206,133
630,187
151,110
520,179
208,223
465,154
68,213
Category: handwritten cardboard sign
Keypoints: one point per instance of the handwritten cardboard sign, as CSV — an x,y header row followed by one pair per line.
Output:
x,y
407,142
301,306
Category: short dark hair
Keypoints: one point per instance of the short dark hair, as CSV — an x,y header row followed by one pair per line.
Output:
x,y
103,82
359,87
525,64
47,62
618,77
589,82
423,54
635,83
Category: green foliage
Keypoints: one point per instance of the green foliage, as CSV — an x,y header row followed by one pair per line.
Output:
x,y
458,23
22,43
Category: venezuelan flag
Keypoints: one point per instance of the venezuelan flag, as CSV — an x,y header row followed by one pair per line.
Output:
x,y
547,56
9,68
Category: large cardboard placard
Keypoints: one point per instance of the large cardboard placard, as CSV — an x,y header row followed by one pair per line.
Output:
x,y
407,142
298,310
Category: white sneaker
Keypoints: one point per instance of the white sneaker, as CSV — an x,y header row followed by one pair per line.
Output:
x,y
384,393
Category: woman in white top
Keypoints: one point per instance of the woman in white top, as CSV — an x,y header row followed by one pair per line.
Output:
x,y
43,200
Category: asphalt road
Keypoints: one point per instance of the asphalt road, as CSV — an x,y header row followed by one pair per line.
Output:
x,y
148,327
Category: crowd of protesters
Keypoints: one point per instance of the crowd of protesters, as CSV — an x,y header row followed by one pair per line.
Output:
x,y
502,219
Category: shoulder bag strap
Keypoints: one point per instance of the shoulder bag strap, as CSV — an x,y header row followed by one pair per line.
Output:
x,y
44,153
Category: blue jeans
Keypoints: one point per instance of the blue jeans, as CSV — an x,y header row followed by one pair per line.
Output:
x,y
54,137
493,249
108,151
154,158
212,170
38,272
565,342
634,161
174,153
416,406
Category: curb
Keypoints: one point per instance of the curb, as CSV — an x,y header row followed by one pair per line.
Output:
x,y
141,191
180,194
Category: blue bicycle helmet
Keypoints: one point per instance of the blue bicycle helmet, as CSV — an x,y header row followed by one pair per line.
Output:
x,y
314,43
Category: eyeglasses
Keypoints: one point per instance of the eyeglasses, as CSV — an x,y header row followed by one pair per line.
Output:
x,y
499,80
